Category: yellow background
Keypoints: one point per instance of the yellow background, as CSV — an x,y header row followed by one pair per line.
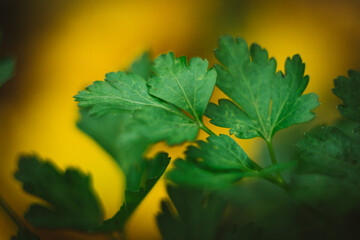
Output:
x,y
63,46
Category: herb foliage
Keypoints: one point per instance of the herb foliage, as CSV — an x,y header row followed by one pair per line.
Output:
x,y
165,100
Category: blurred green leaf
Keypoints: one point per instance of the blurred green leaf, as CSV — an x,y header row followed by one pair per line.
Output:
x,y
189,173
330,151
152,170
197,214
70,200
7,67
126,135
328,177
142,66
348,90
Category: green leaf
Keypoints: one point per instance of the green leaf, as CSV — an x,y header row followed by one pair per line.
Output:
x,y
128,93
7,66
330,151
198,214
328,177
191,174
173,128
217,163
152,170
71,201
124,140
263,100
24,234
105,130
142,66
126,135
188,86
348,90
119,91
220,153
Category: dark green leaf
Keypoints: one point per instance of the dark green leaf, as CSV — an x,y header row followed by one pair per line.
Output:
x,y
7,66
348,90
152,170
71,201
188,86
328,177
198,214
124,140
191,174
330,151
264,101
6,69
218,163
220,153
105,130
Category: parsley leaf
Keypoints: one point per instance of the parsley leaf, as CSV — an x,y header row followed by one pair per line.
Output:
x,y
129,93
142,66
198,214
120,91
190,174
71,202
105,130
330,150
188,86
220,153
111,133
152,170
213,164
156,125
264,101
218,163
126,138
127,149
348,90
7,66
329,168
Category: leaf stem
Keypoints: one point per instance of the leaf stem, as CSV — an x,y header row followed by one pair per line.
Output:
x,y
273,160
205,128
281,183
12,214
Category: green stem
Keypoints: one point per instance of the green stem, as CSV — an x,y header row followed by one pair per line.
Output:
x,y
205,128
281,183
273,159
11,213
271,178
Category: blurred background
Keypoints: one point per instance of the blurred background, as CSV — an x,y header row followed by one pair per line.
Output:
x,y
63,46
